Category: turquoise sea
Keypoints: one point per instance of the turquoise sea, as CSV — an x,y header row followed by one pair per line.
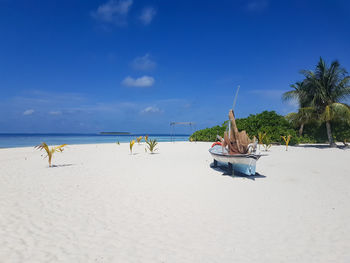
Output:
x,y
23,140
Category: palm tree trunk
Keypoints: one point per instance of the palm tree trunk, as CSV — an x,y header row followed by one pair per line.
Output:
x,y
301,129
329,134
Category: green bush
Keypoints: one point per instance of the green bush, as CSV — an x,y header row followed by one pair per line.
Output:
x,y
268,121
208,134
341,131
276,126
316,133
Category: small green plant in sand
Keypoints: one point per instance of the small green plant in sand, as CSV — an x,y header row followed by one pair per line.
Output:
x,y
139,139
151,145
286,140
261,137
50,151
132,142
267,143
146,138
118,143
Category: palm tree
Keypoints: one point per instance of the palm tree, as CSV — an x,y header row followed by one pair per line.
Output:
x,y
303,97
327,88
300,118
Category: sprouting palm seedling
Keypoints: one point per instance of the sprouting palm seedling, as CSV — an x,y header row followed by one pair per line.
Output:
x,y
267,147
261,137
118,143
267,143
132,142
151,145
146,138
139,139
49,151
286,140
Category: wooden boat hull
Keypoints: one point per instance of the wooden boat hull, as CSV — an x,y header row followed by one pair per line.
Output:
x,y
242,163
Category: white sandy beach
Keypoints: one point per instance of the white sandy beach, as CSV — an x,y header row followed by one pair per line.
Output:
x,y
101,204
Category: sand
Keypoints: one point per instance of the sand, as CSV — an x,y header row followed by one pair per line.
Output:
x,y
101,204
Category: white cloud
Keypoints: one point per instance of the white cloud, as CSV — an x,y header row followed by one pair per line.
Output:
x,y
55,112
147,15
145,81
151,109
143,63
113,11
28,112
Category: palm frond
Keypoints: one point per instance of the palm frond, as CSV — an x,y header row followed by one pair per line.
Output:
x,y
131,145
60,148
151,145
340,111
42,146
50,152
292,117
290,95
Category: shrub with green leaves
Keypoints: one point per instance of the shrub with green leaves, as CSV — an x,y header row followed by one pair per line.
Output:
x,y
275,126
208,134
268,122
341,131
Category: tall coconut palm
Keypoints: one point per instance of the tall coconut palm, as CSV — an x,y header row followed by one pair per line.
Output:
x,y
327,89
303,97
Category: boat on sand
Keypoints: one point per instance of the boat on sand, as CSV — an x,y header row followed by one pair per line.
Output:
x,y
236,149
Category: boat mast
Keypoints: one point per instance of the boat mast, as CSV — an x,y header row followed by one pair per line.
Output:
x,y
233,107
235,100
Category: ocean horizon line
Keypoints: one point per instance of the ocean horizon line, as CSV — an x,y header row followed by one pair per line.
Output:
x,y
99,134
12,140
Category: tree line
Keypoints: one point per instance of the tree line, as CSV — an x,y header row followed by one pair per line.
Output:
x,y
323,114
321,97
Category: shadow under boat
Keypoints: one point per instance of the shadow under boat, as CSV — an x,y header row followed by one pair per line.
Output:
x,y
229,171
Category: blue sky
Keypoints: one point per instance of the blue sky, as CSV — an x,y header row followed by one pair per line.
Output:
x,y
135,65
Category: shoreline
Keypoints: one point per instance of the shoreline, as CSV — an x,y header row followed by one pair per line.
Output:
x,y
340,145
97,144
14,141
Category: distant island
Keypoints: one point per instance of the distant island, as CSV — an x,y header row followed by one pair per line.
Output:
x,y
115,133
